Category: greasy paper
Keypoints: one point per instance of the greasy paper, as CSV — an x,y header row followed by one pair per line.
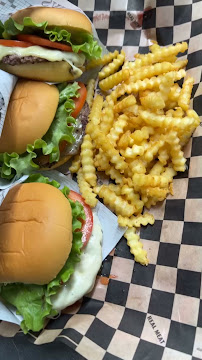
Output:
x,y
7,83
154,312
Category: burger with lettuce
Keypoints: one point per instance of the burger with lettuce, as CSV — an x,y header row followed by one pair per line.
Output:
x,y
50,249
47,44
43,128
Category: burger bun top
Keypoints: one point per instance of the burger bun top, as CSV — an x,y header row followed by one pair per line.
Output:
x,y
30,112
64,18
35,235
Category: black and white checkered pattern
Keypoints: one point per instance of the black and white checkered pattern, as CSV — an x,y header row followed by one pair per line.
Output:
x,y
152,312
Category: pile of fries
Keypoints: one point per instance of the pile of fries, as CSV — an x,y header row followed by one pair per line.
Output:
x,y
135,135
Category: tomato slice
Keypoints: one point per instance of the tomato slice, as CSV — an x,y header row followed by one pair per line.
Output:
x,y
15,43
37,40
79,102
87,225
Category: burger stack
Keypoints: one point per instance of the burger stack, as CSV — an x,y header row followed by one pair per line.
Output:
x,y
50,241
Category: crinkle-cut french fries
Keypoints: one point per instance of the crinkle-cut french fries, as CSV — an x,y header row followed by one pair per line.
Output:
x,y
177,156
142,180
135,135
115,202
155,192
157,169
162,53
164,121
114,79
106,146
185,94
90,92
125,103
86,190
113,66
117,129
95,114
105,60
136,247
114,175
145,84
107,119
76,164
136,221
153,100
156,69
88,167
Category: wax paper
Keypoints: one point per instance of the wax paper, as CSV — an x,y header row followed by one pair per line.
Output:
x,y
152,312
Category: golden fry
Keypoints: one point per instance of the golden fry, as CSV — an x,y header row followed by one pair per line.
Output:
x,y
115,202
103,61
113,66
87,160
114,79
136,247
176,153
154,100
147,72
162,53
137,166
155,192
139,135
95,113
185,94
117,129
163,121
107,120
114,175
90,92
157,169
108,148
136,221
133,198
142,180
125,103
163,155
153,149
124,141
86,190
76,164
101,161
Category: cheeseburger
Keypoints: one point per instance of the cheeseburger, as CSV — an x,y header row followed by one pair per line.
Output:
x,y
47,44
43,128
50,249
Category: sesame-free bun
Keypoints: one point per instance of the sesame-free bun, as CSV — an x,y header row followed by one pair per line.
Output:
x,y
64,18
35,234
58,71
30,112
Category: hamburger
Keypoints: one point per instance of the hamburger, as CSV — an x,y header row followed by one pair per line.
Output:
x,y
49,256
47,44
43,128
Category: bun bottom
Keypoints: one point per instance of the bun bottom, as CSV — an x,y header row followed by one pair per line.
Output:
x,y
57,164
58,71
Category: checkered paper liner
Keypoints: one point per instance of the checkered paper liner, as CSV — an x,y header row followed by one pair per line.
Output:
x,y
152,312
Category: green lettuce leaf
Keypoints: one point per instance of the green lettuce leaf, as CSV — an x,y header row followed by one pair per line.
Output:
x,y
81,41
33,302
60,129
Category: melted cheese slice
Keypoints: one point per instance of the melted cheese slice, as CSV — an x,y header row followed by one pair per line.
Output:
x,y
75,60
83,278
